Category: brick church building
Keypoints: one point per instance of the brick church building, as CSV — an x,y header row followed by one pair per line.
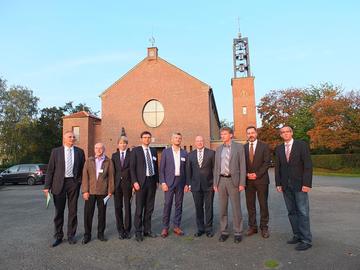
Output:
x,y
159,97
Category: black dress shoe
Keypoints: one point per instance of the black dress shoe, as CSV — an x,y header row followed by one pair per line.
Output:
x,y
127,235
223,237
237,239
294,240
102,238
72,240
209,234
199,233
139,237
85,240
121,235
303,246
56,243
150,234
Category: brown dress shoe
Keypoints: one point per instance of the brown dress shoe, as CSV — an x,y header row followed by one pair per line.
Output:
x,y
265,233
178,231
164,233
251,231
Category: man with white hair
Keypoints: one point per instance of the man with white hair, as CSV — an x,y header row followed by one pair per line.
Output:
x,y
97,183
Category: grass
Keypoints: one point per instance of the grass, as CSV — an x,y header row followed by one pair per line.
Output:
x,y
346,172
272,264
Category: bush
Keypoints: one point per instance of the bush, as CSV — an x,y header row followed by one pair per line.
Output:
x,y
336,162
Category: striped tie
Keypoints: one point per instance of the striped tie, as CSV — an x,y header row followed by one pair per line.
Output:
x,y
227,161
69,163
149,163
200,159
287,151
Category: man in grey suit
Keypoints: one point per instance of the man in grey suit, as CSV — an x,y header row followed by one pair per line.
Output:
x,y
229,181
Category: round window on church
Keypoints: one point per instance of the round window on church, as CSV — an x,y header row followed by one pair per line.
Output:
x,y
153,113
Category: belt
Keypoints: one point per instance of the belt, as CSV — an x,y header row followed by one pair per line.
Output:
x,y
68,178
225,175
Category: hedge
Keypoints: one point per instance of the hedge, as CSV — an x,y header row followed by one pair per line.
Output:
x,y
336,161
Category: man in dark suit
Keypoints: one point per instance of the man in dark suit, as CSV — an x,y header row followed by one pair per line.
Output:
x,y
257,154
229,181
145,179
63,180
173,180
97,183
199,180
293,177
123,188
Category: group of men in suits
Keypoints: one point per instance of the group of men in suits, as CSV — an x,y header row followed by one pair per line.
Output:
x,y
228,171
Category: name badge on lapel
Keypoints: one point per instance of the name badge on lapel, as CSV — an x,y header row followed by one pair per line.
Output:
x,y
154,158
101,170
182,159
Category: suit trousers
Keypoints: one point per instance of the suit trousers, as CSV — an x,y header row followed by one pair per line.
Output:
x,y
70,191
262,192
297,204
145,199
204,203
178,192
228,190
89,210
122,200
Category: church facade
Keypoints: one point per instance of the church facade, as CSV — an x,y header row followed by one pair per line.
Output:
x,y
161,98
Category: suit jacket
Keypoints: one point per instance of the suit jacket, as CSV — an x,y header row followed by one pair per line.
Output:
x,y
200,178
55,173
167,168
104,184
122,174
260,164
237,165
298,171
138,165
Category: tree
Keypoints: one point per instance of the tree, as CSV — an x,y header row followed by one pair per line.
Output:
x,y
336,120
69,108
18,111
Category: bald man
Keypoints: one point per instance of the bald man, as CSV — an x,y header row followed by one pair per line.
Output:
x,y
97,183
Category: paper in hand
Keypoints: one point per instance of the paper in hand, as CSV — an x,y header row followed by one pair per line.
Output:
x,y
48,199
106,199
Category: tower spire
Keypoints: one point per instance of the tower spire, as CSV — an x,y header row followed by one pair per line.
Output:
x,y
241,56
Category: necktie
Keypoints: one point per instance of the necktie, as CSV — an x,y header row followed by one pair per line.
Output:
x,y
69,164
200,158
227,161
251,153
122,159
149,163
287,151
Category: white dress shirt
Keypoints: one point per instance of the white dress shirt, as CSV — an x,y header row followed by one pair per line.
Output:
x,y
176,161
151,157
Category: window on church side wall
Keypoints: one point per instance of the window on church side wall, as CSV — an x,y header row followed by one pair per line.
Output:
x,y
153,113
244,110
76,131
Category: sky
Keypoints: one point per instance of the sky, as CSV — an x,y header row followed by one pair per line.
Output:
x,y
73,50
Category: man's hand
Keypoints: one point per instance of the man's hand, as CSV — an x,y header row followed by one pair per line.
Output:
x,y
186,188
216,189
164,187
241,188
251,176
46,192
305,189
86,196
109,194
279,189
136,186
